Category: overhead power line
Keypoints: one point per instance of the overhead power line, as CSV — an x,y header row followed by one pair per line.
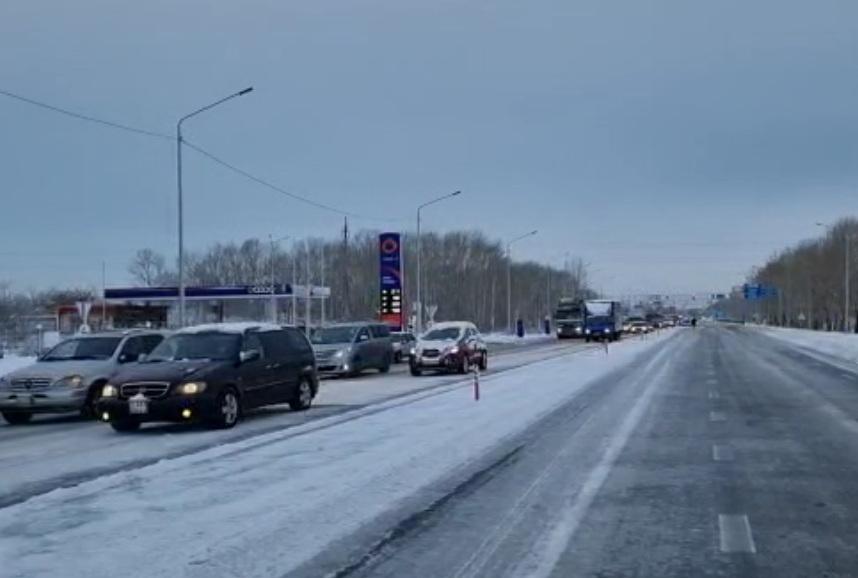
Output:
x,y
86,117
280,190
198,149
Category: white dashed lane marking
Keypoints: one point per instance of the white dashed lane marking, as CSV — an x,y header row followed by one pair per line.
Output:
x,y
714,395
722,453
735,533
717,416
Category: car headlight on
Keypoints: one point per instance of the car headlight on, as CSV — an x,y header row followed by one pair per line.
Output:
x,y
70,381
339,354
109,391
587,331
453,350
191,388
413,351
607,330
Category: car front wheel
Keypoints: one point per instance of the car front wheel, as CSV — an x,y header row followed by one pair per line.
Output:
x,y
465,366
227,409
303,397
484,361
415,371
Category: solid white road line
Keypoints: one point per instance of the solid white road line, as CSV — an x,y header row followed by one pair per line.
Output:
x,y
717,416
541,562
722,453
735,533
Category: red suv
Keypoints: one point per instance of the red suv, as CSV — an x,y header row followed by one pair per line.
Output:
x,y
450,346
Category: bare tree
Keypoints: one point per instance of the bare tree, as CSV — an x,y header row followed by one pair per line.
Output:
x,y
147,267
464,274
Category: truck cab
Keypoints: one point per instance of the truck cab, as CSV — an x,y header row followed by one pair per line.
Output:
x,y
603,320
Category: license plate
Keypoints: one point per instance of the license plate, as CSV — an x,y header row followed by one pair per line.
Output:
x,y
138,404
430,361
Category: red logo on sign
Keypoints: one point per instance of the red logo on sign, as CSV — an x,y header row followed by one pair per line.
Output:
x,y
389,246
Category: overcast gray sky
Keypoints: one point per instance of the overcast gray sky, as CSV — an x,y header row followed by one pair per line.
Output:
x,y
672,144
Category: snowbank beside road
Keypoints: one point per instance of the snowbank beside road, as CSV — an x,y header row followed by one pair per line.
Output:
x,y
12,362
841,345
262,506
509,339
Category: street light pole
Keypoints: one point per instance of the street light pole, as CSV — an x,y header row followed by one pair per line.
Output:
x,y
273,291
419,270
509,277
179,141
846,241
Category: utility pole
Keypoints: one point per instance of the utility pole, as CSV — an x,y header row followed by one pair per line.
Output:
x,y
294,285
846,285
103,295
321,297
273,291
309,288
346,298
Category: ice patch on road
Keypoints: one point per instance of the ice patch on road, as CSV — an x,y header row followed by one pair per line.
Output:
x,y
262,506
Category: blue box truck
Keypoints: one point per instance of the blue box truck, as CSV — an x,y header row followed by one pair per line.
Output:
x,y
603,319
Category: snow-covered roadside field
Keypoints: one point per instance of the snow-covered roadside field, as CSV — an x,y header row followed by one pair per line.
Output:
x,y
12,362
262,506
841,345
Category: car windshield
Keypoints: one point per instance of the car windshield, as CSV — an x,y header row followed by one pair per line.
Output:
x,y
84,348
598,309
214,346
568,313
333,335
442,334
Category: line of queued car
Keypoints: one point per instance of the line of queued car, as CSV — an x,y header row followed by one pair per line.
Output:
x,y
213,373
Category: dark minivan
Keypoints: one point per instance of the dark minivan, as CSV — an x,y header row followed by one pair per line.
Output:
x,y
213,373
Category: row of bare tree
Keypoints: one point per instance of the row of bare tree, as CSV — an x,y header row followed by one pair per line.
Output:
x,y
464,274
811,280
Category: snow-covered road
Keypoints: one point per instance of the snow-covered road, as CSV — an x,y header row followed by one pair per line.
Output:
x,y
57,451
263,503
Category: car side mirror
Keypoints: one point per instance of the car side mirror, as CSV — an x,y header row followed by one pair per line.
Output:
x,y
124,358
250,355
141,357
363,337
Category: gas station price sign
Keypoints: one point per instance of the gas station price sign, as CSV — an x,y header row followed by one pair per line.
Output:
x,y
390,279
